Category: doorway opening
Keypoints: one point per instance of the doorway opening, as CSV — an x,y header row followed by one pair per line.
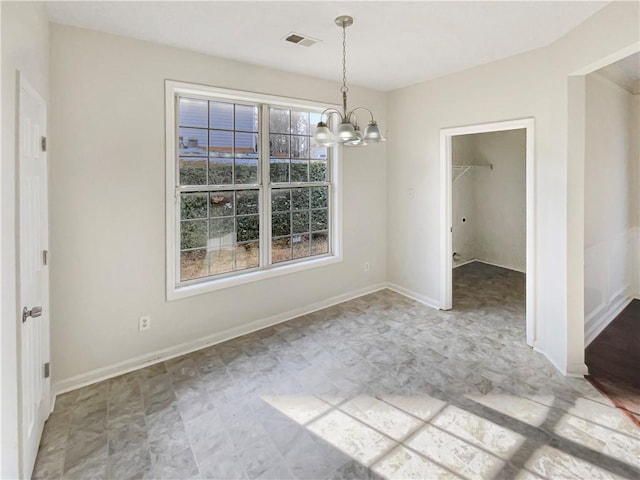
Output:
x,y
484,231
612,231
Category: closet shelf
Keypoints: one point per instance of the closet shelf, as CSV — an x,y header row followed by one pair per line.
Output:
x,y
460,170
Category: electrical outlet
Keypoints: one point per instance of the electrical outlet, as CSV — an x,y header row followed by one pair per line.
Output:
x,y
367,266
144,323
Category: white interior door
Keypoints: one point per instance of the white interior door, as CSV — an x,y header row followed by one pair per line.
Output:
x,y
34,282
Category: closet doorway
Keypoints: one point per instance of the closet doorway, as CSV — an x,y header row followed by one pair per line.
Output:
x,y
488,213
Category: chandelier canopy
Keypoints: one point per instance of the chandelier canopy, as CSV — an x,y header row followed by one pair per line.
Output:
x,y
348,131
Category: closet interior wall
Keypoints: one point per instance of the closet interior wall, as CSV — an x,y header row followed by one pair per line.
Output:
x,y
489,199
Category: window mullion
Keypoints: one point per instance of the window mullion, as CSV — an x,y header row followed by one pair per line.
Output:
x,y
265,182
216,188
301,185
177,201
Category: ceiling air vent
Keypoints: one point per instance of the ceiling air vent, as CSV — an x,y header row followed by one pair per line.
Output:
x,y
300,39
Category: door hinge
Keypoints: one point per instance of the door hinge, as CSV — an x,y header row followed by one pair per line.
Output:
x,y
45,257
46,370
43,144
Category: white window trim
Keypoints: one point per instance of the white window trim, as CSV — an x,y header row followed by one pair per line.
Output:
x,y
175,291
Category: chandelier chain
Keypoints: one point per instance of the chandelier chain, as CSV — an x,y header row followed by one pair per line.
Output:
x,y
344,59
347,131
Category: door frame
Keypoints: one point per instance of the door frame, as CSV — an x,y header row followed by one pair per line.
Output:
x,y
576,155
446,212
23,85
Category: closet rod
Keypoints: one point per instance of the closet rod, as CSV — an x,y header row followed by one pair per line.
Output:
x,y
490,166
465,168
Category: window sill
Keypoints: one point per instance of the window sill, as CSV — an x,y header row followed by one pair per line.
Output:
x,y
185,291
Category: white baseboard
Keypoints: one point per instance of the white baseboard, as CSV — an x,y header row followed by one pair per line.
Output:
x,y
500,266
465,262
488,263
126,366
598,320
577,370
430,302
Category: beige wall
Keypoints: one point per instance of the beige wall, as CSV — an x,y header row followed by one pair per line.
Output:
x,y
25,47
611,202
533,84
108,211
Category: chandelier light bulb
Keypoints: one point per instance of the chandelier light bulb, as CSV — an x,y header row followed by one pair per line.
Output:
x,y
373,133
359,141
346,132
323,136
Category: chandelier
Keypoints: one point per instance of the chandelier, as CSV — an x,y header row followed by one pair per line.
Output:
x,y
348,131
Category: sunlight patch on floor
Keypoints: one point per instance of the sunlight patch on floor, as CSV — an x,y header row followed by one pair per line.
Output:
x,y
551,463
455,454
352,437
480,432
523,409
604,415
381,416
300,408
403,464
397,443
601,439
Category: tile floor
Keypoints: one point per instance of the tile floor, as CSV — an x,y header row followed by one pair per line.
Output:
x,y
377,387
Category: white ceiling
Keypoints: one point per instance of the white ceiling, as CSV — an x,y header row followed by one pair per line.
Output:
x,y
391,44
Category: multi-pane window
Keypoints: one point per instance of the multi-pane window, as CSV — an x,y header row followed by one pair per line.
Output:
x,y
299,187
251,190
